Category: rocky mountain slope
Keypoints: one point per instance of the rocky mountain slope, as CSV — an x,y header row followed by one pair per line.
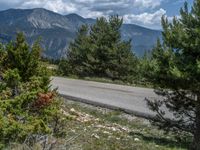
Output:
x,y
56,31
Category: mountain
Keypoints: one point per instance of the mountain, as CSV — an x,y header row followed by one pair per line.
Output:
x,y
143,39
56,31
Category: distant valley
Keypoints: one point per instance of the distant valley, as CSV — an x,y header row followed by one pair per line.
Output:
x,y
57,30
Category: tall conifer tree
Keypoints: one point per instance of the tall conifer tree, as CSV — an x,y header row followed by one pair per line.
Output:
x,y
22,57
99,51
176,73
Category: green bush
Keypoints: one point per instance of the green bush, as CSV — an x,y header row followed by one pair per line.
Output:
x,y
27,105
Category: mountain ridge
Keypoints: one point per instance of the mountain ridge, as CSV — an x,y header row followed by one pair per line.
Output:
x,y
57,30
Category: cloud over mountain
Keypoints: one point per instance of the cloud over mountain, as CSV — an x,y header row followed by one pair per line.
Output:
x,y
142,12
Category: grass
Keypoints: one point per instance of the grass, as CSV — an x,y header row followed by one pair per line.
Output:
x,y
95,128
107,130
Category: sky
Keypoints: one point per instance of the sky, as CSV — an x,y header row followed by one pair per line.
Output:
x,y
145,13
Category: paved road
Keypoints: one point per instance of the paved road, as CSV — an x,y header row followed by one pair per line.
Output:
x,y
127,98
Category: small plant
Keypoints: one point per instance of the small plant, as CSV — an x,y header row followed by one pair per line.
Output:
x,y
44,100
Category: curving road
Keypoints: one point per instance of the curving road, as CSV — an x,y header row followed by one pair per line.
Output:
x,y
126,98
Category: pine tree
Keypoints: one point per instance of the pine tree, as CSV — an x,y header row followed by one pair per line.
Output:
x,y
22,57
3,57
101,44
34,59
114,57
99,51
175,72
124,64
28,106
79,56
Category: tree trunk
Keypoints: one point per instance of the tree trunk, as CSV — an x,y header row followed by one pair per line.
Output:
x,y
196,140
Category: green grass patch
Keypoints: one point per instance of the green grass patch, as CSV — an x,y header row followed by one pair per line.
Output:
x,y
112,130
90,128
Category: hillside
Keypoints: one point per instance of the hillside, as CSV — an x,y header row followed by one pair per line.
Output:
x,y
58,30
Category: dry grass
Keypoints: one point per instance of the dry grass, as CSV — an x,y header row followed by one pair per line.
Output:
x,y
93,128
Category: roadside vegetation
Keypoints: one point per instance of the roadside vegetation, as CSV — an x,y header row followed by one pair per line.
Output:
x,y
117,130
98,51
32,115
175,74
90,127
29,109
172,68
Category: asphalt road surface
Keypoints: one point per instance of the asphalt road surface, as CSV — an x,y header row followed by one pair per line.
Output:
x,y
126,98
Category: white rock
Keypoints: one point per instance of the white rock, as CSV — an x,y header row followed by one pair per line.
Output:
x,y
114,129
106,132
72,110
73,131
96,136
136,139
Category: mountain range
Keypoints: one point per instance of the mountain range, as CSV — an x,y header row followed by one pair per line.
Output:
x,y
57,31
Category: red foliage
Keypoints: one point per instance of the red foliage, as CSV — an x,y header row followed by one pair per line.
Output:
x,y
44,100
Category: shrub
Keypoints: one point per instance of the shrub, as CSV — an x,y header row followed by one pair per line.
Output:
x,y
27,105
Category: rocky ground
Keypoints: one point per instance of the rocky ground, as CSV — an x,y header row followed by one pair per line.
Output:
x,y
95,128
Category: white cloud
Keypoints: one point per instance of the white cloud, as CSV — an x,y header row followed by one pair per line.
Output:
x,y
146,19
68,6
147,3
55,5
142,12
11,1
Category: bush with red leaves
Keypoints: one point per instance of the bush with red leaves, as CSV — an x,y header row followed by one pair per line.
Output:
x,y
44,99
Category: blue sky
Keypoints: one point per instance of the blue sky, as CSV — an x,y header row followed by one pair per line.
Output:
x,y
146,13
